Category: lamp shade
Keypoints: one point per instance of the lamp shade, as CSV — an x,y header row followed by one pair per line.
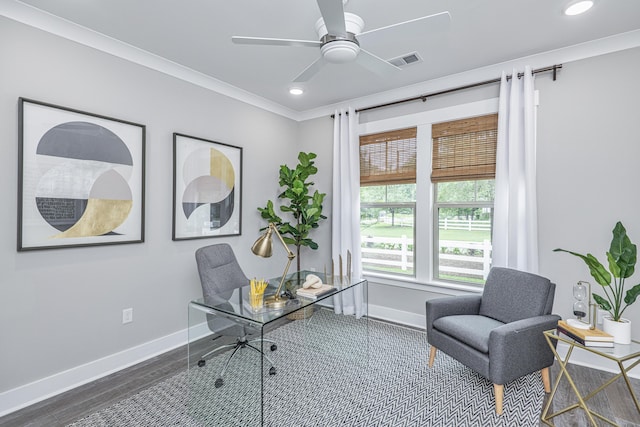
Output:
x,y
263,247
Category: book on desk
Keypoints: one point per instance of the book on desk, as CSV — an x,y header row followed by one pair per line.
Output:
x,y
585,337
315,293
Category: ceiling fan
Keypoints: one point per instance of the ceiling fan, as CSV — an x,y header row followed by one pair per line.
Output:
x,y
341,39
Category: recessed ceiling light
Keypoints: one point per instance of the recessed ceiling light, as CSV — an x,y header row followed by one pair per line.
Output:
x,y
577,8
296,91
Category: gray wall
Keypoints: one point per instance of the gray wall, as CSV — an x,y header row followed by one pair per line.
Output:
x,y
62,308
588,153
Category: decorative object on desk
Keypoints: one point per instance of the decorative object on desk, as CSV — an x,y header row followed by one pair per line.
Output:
x,y
80,178
587,337
305,208
207,185
256,293
622,257
341,273
582,308
312,281
263,247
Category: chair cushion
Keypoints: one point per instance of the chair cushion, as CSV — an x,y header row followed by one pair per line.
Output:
x,y
473,330
511,295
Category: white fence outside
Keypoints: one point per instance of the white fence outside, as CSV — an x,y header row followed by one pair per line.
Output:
x,y
465,224
399,258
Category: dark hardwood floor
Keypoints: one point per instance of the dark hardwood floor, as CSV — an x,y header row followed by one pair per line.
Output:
x,y
615,403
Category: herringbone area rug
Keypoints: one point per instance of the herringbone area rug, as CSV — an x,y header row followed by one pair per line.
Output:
x,y
329,374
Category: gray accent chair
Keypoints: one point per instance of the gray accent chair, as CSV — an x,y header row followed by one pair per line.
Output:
x,y
220,275
497,334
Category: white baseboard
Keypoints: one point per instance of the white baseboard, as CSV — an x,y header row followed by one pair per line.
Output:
x,y
397,316
28,394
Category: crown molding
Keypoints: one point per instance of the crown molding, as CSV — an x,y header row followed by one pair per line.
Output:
x,y
26,14
29,15
565,55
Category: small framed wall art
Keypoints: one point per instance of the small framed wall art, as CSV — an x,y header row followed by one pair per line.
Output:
x,y
80,178
207,188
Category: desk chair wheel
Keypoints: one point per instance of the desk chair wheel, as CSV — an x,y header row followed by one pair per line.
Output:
x,y
272,370
274,347
201,363
219,382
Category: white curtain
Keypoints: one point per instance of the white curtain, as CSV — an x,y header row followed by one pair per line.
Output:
x,y
345,218
515,226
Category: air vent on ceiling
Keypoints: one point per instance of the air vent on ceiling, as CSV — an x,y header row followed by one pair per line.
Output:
x,y
408,59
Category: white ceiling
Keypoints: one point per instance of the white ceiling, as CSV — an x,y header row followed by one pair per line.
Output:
x,y
197,34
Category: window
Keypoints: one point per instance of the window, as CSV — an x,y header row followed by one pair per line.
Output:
x,y
388,201
463,172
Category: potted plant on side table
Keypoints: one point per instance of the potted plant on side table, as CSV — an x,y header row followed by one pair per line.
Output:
x,y
622,261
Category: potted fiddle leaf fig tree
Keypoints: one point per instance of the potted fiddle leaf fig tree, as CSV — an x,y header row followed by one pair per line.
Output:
x,y
298,202
621,259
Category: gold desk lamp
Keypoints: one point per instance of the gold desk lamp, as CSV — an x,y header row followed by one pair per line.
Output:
x,y
263,247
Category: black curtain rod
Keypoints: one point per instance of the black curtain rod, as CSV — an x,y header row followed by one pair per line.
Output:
x,y
423,98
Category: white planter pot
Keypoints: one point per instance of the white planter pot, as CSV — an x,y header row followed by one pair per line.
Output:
x,y
621,330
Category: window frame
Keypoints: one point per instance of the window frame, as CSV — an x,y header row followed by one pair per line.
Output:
x,y
424,278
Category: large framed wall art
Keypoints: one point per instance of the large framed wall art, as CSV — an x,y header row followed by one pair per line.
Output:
x,y
81,178
207,188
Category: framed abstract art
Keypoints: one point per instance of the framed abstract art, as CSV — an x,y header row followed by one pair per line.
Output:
x,y
80,178
207,188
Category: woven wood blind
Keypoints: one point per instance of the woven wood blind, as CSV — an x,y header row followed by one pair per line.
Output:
x,y
388,157
465,149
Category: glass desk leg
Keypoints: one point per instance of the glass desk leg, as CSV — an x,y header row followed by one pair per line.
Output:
x,y
223,380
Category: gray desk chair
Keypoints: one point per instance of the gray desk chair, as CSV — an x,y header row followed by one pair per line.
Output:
x,y
220,274
497,334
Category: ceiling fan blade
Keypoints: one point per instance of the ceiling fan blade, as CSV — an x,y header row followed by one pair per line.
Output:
x,y
274,42
333,15
419,27
376,64
310,71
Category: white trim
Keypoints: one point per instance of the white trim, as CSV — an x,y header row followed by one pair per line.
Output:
x,y
397,316
50,23
37,18
44,388
563,56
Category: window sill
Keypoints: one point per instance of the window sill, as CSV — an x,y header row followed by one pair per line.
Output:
x,y
444,288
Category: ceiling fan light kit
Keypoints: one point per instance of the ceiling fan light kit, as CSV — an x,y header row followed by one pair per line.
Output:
x,y
340,51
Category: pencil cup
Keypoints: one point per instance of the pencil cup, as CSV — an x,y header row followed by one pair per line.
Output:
x,y
256,300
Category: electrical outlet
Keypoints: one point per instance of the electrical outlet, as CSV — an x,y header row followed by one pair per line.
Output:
x,y
127,315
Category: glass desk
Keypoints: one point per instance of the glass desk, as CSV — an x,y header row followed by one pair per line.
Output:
x,y
286,346
620,354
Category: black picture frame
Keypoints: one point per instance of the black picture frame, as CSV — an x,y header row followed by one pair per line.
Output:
x,y
81,178
207,188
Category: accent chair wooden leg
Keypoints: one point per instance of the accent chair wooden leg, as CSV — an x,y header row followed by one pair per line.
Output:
x,y
432,355
498,391
546,379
